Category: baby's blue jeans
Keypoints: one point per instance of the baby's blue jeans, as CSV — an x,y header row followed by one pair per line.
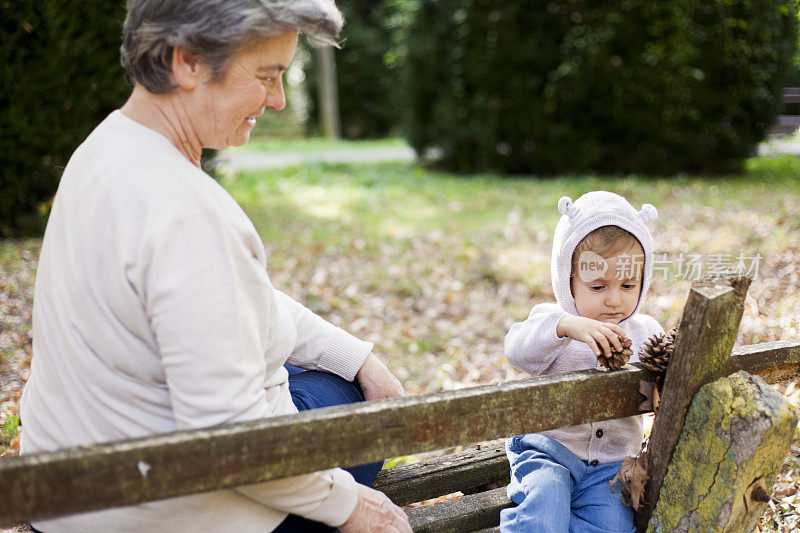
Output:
x,y
555,491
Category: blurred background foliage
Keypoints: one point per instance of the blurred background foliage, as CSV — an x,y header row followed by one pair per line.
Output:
x,y
610,86
512,86
59,76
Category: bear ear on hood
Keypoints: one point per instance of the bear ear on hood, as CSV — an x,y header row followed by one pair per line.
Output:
x,y
648,213
565,206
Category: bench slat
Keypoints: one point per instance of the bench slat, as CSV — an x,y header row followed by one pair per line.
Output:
x,y
467,513
463,471
791,95
102,476
161,466
774,361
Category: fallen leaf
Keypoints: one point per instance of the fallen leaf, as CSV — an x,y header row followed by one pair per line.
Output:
x,y
633,476
652,398
656,400
13,447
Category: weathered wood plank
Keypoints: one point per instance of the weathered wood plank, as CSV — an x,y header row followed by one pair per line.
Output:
x,y
471,468
183,463
772,361
467,513
791,95
162,466
706,335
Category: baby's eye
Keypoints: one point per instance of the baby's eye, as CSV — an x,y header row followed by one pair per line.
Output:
x,y
628,286
596,287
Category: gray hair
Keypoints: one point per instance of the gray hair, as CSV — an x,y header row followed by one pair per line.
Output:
x,y
214,31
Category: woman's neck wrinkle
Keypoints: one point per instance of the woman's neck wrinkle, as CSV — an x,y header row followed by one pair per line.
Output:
x,y
169,116
178,121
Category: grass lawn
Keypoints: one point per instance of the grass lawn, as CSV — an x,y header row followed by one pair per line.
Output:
x,y
434,268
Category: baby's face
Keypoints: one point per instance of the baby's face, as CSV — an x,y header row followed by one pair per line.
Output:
x,y
607,289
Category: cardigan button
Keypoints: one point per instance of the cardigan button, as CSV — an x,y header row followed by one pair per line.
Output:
x,y
599,433
594,462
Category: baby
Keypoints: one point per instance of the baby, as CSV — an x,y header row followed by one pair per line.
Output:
x,y
601,269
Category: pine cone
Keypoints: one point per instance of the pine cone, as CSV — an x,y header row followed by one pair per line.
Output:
x,y
657,350
617,359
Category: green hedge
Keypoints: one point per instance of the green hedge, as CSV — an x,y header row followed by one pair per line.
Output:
x,y
793,78
59,76
609,86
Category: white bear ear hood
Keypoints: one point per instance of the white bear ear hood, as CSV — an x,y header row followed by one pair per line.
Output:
x,y
579,218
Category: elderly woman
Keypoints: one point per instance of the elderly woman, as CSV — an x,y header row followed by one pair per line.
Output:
x,y
153,308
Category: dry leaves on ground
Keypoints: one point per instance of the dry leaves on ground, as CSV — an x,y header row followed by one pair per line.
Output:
x,y
438,302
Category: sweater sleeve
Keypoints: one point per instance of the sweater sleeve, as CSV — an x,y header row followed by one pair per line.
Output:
x,y
649,326
218,324
533,345
644,327
329,496
654,327
322,346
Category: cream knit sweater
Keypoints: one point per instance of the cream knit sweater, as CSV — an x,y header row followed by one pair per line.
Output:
x,y
534,347
153,312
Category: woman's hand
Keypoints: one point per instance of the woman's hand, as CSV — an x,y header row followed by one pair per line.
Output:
x,y
376,381
600,336
375,512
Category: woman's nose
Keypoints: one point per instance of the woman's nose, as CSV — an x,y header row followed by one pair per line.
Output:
x,y
276,99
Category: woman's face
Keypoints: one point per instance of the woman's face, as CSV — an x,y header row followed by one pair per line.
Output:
x,y
254,81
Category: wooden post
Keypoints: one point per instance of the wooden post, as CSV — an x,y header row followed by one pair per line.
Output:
x,y
328,93
703,346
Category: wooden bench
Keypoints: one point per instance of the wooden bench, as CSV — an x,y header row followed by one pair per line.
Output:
x,y
186,462
787,123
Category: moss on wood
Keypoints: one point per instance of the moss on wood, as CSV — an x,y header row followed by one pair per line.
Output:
x,y
731,448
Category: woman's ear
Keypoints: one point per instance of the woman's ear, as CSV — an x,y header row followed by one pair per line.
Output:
x,y
185,68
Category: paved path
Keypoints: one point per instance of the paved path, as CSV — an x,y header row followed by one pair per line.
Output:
x,y
246,160
783,145
251,160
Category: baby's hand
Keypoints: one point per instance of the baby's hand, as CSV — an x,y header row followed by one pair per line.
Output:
x,y
600,336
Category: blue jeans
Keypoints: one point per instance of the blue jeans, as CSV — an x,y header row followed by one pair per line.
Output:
x,y
555,491
311,390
